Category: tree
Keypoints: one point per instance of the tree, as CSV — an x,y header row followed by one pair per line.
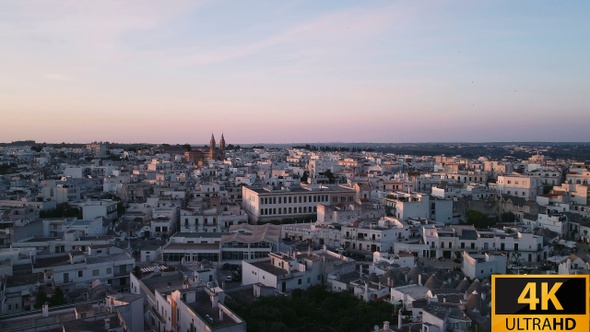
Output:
x,y
508,217
331,177
37,148
58,298
137,272
305,177
478,219
40,299
62,210
314,309
547,189
187,147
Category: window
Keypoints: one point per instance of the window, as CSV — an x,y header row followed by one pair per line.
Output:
x,y
299,281
109,270
95,272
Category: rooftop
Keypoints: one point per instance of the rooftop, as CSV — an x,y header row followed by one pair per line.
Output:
x,y
268,267
159,281
203,307
191,246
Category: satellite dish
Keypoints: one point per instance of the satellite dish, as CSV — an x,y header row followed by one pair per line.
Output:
x,y
376,328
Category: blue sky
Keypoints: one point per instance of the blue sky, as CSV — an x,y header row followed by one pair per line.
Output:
x,y
294,71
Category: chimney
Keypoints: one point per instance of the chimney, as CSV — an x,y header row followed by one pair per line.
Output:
x,y
360,271
366,297
220,314
45,309
399,319
419,279
107,323
214,300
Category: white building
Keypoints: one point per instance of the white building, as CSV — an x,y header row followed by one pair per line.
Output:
x,y
262,204
243,242
557,223
527,187
451,241
416,205
298,271
214,219
483,265
401,258
130,308
108,264
375,235
578,193
284,272
99,208
202,309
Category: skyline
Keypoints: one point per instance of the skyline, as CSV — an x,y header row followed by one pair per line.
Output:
x,y
294,72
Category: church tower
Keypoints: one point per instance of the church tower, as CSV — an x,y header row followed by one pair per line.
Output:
x,y
212,148
222,143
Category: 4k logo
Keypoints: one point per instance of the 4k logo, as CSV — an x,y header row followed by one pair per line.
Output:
x,y
529,296
540,303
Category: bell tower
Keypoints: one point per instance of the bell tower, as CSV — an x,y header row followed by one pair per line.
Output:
x,y
212,148
222,143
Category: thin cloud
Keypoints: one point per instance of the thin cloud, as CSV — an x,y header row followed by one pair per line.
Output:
x,y
348,28
58,77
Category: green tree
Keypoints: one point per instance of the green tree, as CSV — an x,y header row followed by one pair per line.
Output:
x,y
508,217
478,219
331,177
62,210
40,299
305,177
137,272
58,298
314,309
547,189
37,148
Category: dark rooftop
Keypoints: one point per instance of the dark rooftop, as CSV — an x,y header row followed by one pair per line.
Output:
x,y
268,267
202,307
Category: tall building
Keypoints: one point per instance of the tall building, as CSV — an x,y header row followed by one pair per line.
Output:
x,y
199,156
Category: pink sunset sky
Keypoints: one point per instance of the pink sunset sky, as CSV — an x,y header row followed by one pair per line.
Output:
x,y
294,71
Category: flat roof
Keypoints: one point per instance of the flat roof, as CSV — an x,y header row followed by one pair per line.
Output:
x,y
192,246
302,190
268,267
157,281
203,307
199,235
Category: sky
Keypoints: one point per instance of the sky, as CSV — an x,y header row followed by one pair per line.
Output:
x,y
294,71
